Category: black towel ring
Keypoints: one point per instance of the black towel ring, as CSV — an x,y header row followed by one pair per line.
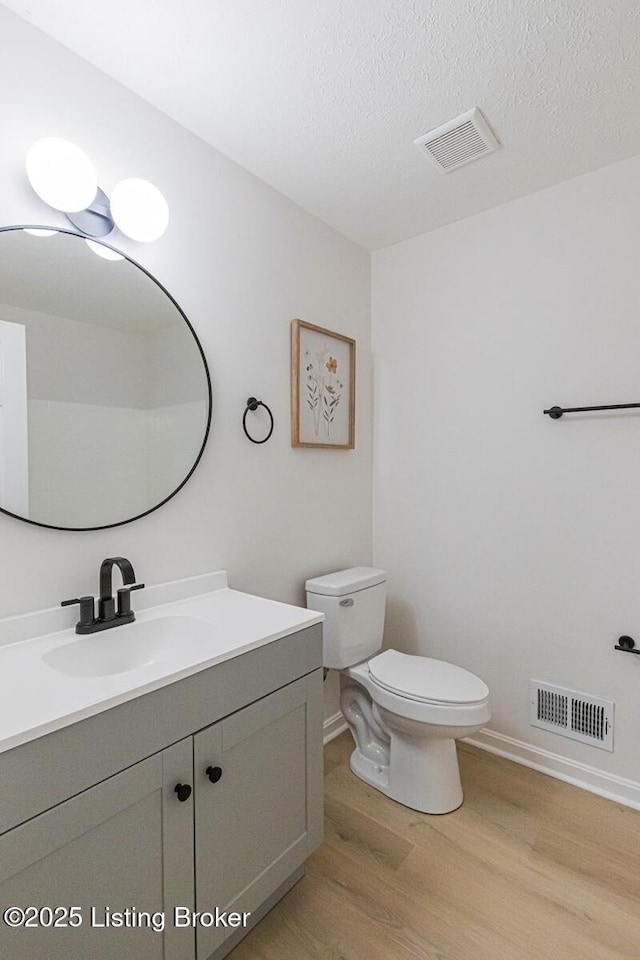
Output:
x,y
253,404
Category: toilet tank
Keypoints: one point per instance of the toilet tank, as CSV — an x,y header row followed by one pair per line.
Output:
x,y
353,604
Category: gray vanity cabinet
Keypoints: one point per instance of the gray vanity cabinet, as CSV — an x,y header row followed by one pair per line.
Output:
x,y
127,834
255,820
90,816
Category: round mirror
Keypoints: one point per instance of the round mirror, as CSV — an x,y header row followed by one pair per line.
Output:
x,y
105,396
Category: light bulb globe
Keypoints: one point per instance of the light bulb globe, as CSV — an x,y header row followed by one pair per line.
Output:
x,y
40,233
139,210
61,174
105,252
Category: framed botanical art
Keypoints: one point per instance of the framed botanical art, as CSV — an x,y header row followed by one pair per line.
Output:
x,y
323,387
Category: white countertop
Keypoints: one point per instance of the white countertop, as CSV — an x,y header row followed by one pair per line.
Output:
x,y
37,699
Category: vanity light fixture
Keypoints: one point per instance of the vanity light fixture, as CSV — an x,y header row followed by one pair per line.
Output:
x,y
63,176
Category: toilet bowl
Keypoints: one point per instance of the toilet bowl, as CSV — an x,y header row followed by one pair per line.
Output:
x,y
404,712
405,738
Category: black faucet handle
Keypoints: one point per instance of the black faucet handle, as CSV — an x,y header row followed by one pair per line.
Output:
x,y
87,609
124,598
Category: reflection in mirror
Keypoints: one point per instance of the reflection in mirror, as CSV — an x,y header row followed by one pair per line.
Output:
x,y
105,399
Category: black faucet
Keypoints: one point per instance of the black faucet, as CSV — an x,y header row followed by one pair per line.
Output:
x,y
108,615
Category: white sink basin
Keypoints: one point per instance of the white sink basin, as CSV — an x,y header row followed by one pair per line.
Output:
x,y
135,645
50,677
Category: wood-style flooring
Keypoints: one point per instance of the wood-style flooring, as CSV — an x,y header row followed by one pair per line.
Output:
x,y
529,868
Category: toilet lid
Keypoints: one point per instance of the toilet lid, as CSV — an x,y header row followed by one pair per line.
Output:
x,y
421,678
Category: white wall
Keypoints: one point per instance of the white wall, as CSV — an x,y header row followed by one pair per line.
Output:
x,y
512,541
62,360
242,261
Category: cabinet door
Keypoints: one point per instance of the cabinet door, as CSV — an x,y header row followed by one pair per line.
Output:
x,y
125,844
258,822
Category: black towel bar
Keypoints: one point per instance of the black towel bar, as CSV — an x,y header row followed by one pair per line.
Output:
x,y
556,412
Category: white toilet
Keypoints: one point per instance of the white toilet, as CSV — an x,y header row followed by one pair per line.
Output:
x,y
405,712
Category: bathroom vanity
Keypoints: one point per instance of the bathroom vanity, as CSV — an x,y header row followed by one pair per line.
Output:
x,y
190,780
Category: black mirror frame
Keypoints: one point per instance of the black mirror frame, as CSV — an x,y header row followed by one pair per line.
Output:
x,y
120,523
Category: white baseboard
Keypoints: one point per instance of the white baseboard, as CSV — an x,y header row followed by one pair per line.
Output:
x,y
334,726
589,778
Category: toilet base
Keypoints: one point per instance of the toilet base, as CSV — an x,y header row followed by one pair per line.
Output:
x,y
375,774
423,774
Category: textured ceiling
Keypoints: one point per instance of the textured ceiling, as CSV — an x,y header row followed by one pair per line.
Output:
x,y
323,99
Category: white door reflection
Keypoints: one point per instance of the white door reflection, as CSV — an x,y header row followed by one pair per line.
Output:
x,y
14,465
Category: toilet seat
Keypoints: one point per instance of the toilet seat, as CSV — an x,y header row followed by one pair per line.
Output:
x,y
438,712
425,679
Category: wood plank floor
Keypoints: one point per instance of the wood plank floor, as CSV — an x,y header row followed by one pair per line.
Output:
x,y
529,868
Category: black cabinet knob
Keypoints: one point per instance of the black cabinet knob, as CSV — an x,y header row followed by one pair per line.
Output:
x,y
214,773
184,791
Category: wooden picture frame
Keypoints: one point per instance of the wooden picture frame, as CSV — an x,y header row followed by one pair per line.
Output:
x,y
323,388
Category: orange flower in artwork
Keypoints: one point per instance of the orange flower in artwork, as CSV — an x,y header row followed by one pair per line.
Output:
x,y
332,365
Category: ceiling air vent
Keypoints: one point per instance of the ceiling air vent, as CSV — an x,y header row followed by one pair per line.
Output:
x,y
458,142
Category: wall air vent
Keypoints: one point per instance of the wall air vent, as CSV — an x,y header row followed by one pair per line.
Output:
x,y
458,142
571,714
